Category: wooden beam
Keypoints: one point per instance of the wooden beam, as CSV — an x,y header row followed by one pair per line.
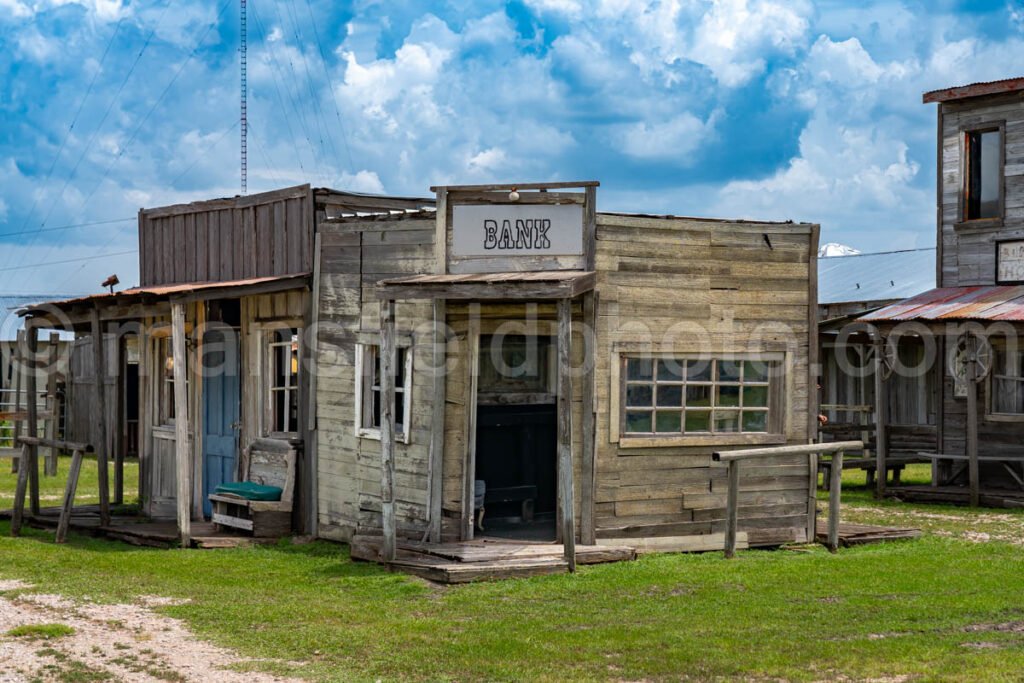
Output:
x,y
565,483
520,186
20,488
972,420
732,508
19,361
32,424
588,468
796,449
835,489
812,497
441,232
469,466
56,444
182,453
68,504
881,412
489,291
102,450
52,402
388,363
813,370
435,463
312,449
590,227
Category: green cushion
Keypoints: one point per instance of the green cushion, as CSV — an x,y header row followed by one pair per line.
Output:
x,y
251,490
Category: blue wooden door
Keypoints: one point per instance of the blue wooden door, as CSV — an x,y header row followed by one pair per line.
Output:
x,y
221,398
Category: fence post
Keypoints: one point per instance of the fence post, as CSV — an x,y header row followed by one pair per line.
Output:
x,y
835,489
732,505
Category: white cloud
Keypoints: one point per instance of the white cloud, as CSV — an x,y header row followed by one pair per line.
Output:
x,y
15,9
675,139
363,181
35,46
491,159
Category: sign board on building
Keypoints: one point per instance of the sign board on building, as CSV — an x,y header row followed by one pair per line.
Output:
x,y
517,230
1010,262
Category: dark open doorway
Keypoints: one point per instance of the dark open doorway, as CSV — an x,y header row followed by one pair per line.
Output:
x,y
516,438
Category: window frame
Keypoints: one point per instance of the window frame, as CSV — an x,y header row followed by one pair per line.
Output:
x,y
362,351
165,403
266,340
965,132
777,411
999,346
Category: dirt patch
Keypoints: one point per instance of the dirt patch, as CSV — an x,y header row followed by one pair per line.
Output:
x,y
108,643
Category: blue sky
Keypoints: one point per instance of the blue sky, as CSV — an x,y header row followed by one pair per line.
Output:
x,y
771,109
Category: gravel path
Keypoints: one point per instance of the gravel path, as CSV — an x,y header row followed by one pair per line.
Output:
x,y
110,643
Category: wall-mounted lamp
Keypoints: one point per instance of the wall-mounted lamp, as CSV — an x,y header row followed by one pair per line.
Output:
x,y
513,196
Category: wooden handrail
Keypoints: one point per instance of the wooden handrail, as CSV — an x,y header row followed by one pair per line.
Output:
x,y
812,450
54,443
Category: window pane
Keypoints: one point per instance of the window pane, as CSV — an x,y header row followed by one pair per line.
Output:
x,y
698,396
669,421
638,422
983,174
729,370
728,396
698,421
1007,396
727,421
756,371
670,370
698,370
755,421
638,395
670,396
755,397
639,368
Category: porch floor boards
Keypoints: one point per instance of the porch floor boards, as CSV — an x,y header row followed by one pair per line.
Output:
x,y
483,559
861,534
138,530
956,495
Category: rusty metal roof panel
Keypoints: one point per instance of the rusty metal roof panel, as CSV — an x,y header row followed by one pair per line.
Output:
x,y
961,92
1000,302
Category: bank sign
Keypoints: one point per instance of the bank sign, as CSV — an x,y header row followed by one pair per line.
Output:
x,y
1010,262
517,230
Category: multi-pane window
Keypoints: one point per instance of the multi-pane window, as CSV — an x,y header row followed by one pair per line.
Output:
x,y
675,396
983,178
368,403
1008,382
165,398
283,384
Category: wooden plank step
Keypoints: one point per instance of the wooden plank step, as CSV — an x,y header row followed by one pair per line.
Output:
x,y
466,572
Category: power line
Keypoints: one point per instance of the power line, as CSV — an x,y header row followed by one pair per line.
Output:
x,y
207,150
330,86
72,260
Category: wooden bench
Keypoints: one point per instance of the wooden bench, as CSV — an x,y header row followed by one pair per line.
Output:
x,y
271,463
1006,462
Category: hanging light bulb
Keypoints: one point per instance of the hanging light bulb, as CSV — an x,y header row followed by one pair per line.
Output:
x,y
513,196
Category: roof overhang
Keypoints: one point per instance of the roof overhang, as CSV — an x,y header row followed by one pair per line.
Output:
x,y
950,304
962,92
542,285
140,302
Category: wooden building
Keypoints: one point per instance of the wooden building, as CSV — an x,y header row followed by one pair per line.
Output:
x,y
509,363
973,319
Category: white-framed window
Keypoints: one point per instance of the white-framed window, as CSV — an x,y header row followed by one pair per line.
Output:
x,y
166,407
282,381
368,392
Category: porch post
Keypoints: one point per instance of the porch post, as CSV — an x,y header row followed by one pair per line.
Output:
x,y
588,469
32,405
970,378
565,486
387,427
183,458
102,452
436,460
881,413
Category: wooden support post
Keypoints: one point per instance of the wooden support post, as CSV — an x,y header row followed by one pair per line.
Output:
x,y
812,498
435,463
102,454
19,492
52,403
469,467
732,503
834,492
117,429
588,469
388,363
19,365
881,413
970,378
565,488
32,407
69,495
182,452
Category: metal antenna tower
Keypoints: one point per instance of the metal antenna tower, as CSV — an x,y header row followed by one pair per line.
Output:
x,y
245,121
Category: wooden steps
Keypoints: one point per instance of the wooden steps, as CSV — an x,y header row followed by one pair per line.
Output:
x,y
861,534
484,559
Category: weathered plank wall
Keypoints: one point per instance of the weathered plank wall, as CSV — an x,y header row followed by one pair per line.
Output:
x,y
355,254
258,235
738,288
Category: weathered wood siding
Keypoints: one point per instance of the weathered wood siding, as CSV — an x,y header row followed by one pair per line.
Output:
x,y
258,235
355,254
967,253
748,287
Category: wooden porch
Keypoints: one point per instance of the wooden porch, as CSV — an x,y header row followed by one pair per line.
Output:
x,y
483,559
958,495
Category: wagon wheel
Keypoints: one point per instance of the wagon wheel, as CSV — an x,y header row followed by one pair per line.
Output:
x,y
961,355
889,357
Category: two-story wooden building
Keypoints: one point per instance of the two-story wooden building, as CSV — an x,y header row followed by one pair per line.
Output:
x,y
973,320
511,362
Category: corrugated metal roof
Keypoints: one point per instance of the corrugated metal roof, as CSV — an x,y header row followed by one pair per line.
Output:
x,y
999,302
885,276
978,89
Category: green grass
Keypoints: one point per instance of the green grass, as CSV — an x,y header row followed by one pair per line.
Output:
x,y
51,489
40,631
942,608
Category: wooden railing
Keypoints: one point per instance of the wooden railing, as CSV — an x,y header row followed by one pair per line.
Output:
x,y
812,451
28,473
